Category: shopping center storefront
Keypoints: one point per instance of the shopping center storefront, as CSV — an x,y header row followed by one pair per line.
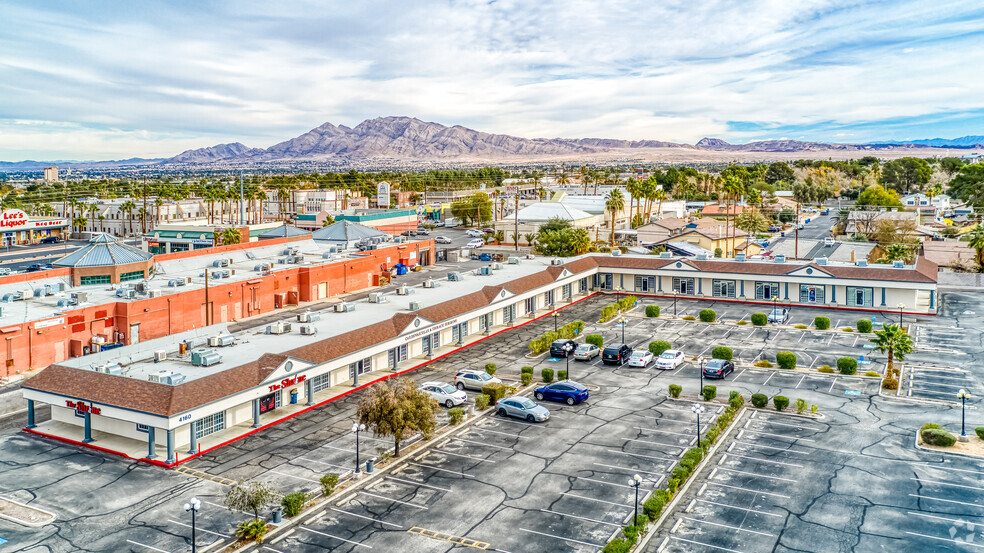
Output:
x,y
17,227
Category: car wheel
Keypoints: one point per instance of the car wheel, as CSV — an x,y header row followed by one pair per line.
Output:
x,y
530,418
460,385
501,413
539,396
449,404
570,401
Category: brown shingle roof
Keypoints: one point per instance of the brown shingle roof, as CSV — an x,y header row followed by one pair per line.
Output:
x,y
352,341
452,308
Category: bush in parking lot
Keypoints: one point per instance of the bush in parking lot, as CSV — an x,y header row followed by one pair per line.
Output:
x,y
293,503
561,375
328,483
688,318
821,323
780,402
847,365
801,327
455,414
657,347
547,375
864,325
692,457
618,545
675,390
608,313
653,507
937,436
801,406
596,339
722,352
825,369
763,363
526,370
495,391
871,373
526,378
980,432
735,400
708,315
709,392
652,311
711,435
760,319
760,400
490,368
673,484
847,329
741,323
930,426
890,384
626,303
786,360
481,402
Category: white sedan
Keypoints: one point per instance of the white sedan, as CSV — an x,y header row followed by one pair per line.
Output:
x,y
445,394
443,240
641,358
669,359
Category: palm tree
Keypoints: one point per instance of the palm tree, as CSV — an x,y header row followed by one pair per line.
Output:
x,y
128,207
562,178
585,178
92,209
893,340
283,195
658,195
977,242
733,188
614,203
231,236
142,212
897,252
636,189
79,221
158,202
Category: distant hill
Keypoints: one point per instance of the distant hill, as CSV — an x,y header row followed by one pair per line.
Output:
x,y
974,141
775,146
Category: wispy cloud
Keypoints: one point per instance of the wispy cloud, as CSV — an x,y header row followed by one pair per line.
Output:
x,y
153,78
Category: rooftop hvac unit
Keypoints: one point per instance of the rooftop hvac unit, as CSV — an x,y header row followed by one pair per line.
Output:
x,y
454,276
279,327
404,290
213,341
820,261
160,355
226,340
513,261
216,275
327,255
780,259
416,306
210,358
332,249
898,264
66,302
186,280
496,266
1,310
175,282
80,297
557,262
308,330
740,257
220,263
284,260
666,255
344,307
430,283
308,317
155,293
111,368
485,271
530,256
140,287
160,377
615,253
702,257
126,293
262,267
9,297
862,263
197,354
291,251
377,297
52,289
39,292
399,239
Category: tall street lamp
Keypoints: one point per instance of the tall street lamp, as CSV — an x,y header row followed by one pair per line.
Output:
x,y
963,395
700,360
555,316
568,350
618,293
675,292
194,505
775,306
357,428
621,321
901,306
697,409
634,482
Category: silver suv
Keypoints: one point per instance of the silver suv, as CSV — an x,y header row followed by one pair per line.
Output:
x,y
474,380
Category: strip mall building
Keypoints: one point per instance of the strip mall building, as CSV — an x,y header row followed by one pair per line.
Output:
x,y
155,401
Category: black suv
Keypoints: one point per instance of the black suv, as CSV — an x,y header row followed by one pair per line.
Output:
x,y
562,347
49,240
616,354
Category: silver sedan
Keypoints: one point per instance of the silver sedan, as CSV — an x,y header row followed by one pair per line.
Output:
x,y
523,408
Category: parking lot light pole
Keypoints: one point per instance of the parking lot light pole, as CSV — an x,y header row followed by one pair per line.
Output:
x,y
701,360
555,316
697,409
357,428
901,306
634,482
621,321
963,395
568,350
775,306
193,505
675,292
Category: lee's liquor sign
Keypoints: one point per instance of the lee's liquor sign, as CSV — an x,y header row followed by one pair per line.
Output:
x,y
288,382
82,407
12,219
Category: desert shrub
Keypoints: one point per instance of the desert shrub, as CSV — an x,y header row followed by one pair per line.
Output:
x,y
293,503
596,339
547,375
481,402
652,311
760,400
890,384
455,414
937,436
526,370
821,323
801,406
626,303
561,375
709,392
760,319
608,313
526,378
328,483
780,402
675,390
814,408
707,315
786,359
688,318
712,434
736,401
251,530
763,363
825,369
490,368
741,323
847,365
871,373
653,507
801,327
495,391
722,352
659,346
864,325
980,432
673,484
930,426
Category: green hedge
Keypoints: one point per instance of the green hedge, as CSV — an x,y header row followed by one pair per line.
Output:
x,y
561,374
526,378
864,325
455,414
659,346
495,391
780,402
328,483
611,311
652,311
568,331
722,352
847,365
547,375
938,436
653,507
760,319
481,402
596,339
760,400
526,370
980,432
675,390
709,392
490,368
786,360
821,323
707,315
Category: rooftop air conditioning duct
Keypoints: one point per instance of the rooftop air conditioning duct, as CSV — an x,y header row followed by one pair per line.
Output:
x,y
780,259
377,297
513,261
308,317
308,330
344,307
821,260
416,306
454,276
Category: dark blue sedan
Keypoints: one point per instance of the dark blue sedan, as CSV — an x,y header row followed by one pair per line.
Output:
x,y
566,390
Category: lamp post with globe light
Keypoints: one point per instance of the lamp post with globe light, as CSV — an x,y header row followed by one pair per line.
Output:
x,y
963,396
634,482
901,306
357,428
697,409
193,505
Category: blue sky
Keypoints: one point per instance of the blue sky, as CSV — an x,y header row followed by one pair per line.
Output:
x,y
111,80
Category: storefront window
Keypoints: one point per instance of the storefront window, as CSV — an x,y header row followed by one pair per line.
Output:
x,y
135,275
811,294
212,424
95,279
723,288
766,290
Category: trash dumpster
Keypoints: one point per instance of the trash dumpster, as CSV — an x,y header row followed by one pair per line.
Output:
x,y
293,397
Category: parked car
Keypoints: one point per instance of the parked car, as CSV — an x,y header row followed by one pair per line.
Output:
x,y
442,240
476,243
445,394
4,271
774,228
616,354
474,233
488,230
779,316
718,368
49,240
641,358
438,223
37,267
521,407
567,391
473,380
562,347
670,359
586,352
423,232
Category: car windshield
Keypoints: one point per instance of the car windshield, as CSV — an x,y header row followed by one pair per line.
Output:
x,y
446,388
715,364
484,376
667,355
526,403
777,312
584,347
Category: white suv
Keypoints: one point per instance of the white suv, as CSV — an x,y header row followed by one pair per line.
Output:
x,y
445,394
476,243
474,233
474,380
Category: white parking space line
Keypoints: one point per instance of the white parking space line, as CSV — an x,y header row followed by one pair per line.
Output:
x,y
917,496
772,421
755,474
718,547
774,448
478,429
441,451
627,469
957,520
306,529
728,526
581,518
561,538
831,389
655,457
268,548
938,385
802,378
713,483
366,518
147,546
768,379
454,472
200,529
292,476
766,460
740,508
938,483
666,431
737,375
947,469
415,483
606,483
481,443
339,448
308,459
961,542
778,435
595,500
385,498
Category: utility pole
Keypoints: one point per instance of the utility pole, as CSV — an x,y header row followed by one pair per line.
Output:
x,y
242,200
208,306
516,216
